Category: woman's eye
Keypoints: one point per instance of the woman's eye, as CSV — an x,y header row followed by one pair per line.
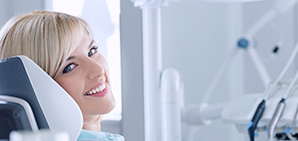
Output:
x,y
69,68
92,51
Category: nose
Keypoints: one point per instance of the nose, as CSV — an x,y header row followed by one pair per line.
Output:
x,y
95,69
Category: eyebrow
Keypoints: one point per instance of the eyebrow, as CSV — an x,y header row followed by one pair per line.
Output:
x,y
91,43
71,57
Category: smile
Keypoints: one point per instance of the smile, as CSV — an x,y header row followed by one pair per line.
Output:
x,y
97,89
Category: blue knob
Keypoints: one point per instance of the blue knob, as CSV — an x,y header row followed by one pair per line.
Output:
x,y
243,43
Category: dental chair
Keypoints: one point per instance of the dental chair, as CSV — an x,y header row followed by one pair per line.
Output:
x,y
30,100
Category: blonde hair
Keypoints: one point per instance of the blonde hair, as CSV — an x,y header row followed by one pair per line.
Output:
x,y
48,38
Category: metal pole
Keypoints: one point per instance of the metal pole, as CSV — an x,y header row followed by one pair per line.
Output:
x,y
152,71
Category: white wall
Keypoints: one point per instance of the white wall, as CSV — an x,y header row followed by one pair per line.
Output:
x,y
9,8
4,14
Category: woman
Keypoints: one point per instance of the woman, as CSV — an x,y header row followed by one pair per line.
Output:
x,y
62,46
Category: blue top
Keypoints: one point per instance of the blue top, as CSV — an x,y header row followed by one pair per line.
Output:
x,y
87,135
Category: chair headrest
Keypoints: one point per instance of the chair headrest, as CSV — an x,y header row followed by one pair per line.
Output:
x,y
52,106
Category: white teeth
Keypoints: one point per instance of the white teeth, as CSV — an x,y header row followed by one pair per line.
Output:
x,y
102,87
96,90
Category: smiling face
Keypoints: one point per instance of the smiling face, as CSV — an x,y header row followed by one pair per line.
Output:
x,y
85,76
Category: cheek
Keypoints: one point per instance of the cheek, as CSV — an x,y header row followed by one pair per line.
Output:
x,y
73,87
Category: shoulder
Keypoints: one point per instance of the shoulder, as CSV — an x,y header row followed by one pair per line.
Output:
x,y
87,135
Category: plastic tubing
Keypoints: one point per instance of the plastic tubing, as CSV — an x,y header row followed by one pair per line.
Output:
x,y
285,69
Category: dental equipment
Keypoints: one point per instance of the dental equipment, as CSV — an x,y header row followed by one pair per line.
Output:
x,y
152,59
280,108
246,43
275,118
289,129
261,108
255,120
281,7
171,92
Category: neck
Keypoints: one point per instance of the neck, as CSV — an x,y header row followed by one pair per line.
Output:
x,y
91,123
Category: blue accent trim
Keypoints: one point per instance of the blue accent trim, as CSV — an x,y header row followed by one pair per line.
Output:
x,y
250,124
288,130
243,43
256,135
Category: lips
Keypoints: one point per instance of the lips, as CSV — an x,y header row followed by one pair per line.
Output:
x,y
99,90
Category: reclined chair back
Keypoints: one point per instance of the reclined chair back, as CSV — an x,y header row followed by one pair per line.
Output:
x,y
53,108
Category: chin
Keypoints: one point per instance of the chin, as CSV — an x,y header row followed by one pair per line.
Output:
x,y
109,107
